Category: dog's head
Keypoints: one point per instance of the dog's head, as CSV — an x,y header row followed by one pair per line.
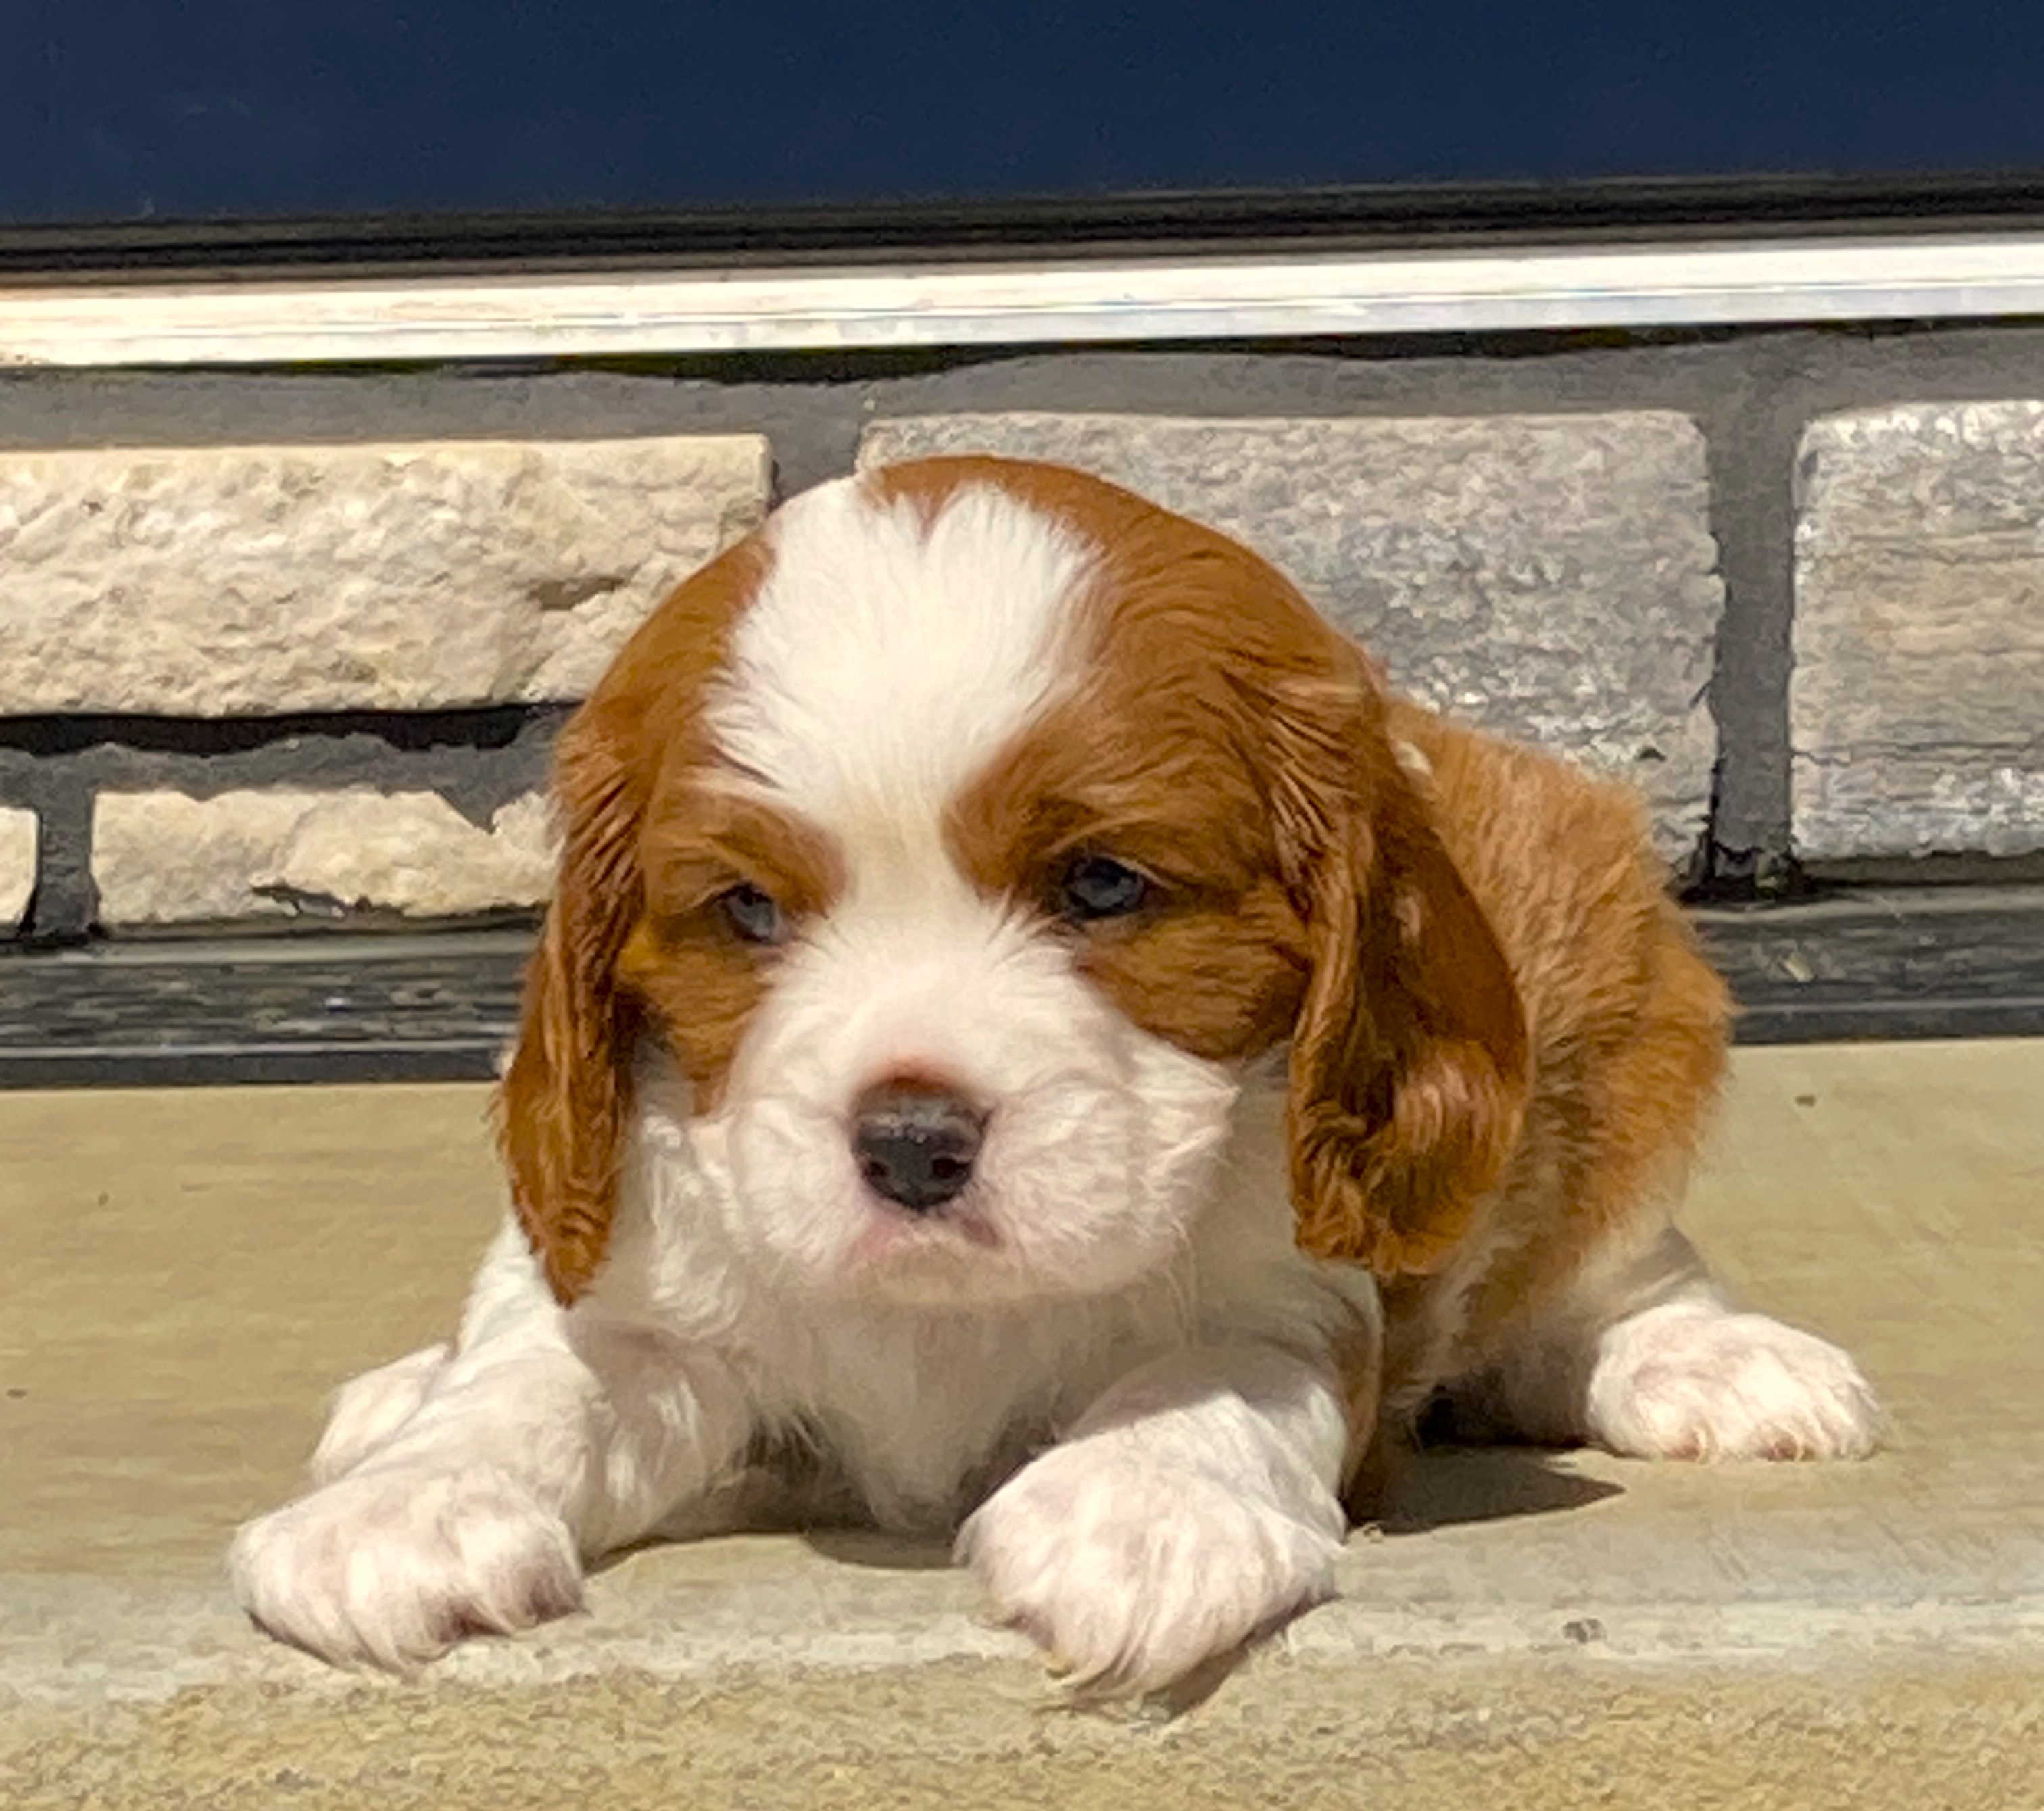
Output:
x,y
961,836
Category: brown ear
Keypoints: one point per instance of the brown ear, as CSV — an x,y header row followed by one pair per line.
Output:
x,y
1409,1059
564,1101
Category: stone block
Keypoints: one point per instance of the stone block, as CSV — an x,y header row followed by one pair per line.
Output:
x,y
245,580
164,858
1917,707
18,843
1553,577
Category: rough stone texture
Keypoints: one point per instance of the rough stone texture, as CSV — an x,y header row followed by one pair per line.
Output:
x,y
1550,577
18,865
163,858
272,578
1917,707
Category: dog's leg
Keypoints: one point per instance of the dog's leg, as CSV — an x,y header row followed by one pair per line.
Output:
x,y
466,1501
1193,1507
369,1409
1648,1358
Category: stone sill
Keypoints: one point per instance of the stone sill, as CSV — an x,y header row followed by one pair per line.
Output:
x,y
1098,301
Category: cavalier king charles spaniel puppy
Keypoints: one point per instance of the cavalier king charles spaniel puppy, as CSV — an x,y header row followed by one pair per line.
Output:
x,y
1031,1040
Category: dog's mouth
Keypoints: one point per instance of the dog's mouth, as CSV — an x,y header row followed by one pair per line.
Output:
x,y
891,1237
959,1254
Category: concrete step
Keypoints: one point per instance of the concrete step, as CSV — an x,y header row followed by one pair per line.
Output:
x,y
188,1272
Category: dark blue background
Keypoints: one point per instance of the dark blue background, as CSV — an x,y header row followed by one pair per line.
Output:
x,y
115,111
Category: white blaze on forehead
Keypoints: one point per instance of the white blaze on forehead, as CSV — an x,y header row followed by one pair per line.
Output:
x,y
886,660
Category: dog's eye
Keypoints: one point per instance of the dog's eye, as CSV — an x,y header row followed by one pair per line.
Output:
x,y
1098,887
753,913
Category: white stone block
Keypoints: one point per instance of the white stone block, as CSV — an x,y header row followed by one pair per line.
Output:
x,y
163,858
209,582
18,843
1917,708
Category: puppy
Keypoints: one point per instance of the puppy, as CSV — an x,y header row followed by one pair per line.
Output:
x,y
1028,1034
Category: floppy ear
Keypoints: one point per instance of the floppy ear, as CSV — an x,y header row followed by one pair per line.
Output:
x,y
563,1103
1409,1059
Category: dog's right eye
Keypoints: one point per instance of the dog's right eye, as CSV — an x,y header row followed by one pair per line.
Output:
x,y
753,913
1098,887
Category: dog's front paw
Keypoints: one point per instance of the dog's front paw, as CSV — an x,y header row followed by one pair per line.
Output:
x,y
1129,1572
393,1566
1693,1380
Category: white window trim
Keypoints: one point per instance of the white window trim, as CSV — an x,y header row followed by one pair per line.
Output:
x,y
1038,302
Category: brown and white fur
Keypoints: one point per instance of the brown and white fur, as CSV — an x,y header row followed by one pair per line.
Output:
x,y
1312,1055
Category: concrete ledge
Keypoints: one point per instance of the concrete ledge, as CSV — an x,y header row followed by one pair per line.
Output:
x,y
1536,1630
184,1012
872,1714
1459,1733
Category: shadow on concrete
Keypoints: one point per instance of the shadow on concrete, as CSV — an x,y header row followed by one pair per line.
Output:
x,y
1438,1487
1449,1487
884,1553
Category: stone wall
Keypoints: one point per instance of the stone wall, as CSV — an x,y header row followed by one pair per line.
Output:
x,y
281,650
1918,699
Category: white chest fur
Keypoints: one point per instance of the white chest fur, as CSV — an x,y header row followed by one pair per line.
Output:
x,y
917,1409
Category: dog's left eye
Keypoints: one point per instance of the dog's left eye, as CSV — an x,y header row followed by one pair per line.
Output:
x,y
1098,887
753,913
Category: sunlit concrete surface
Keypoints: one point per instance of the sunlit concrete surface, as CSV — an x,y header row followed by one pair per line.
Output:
x,y
186,1273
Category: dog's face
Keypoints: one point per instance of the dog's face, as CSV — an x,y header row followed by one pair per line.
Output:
x,y
961,836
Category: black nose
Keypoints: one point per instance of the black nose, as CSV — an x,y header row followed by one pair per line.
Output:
x,y
916,1146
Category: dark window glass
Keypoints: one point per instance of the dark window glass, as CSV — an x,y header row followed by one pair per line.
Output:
x,y
120,111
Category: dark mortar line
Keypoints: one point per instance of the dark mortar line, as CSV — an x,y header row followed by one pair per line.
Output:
x,y
476,782
53,733
452,1060
1747,446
